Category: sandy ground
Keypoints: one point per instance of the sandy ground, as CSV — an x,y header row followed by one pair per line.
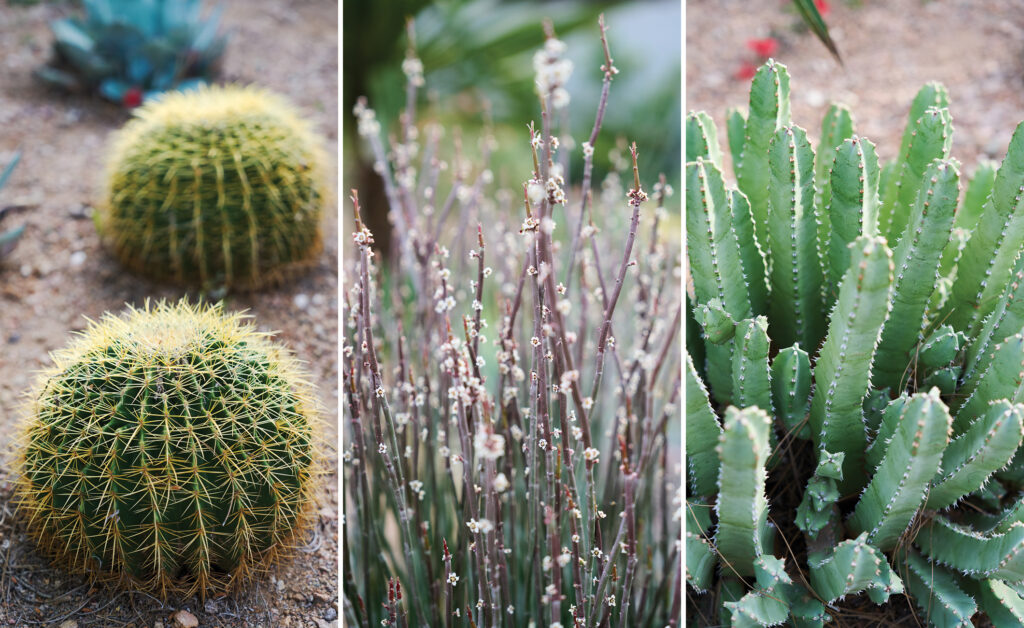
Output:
x,y
890,49
60,274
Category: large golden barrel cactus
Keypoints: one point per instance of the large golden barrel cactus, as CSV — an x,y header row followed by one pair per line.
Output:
x,y
173,449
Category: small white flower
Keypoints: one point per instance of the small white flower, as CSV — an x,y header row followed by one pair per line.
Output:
x,y
588,149
489,446
382,449
545,563
501,483
590,454
453,579
535,192
379,392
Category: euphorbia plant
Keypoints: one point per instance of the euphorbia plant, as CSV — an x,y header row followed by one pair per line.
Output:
x,y
857,331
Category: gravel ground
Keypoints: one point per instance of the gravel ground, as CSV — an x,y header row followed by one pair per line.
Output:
x,y
59,274
890,49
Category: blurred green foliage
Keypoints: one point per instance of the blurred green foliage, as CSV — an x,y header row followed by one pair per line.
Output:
x,y
481,50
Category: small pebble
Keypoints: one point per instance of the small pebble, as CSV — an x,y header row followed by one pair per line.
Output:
x,y
301,300
185,619
77,258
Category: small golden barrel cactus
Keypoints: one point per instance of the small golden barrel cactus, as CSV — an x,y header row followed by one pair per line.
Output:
x,y
220,187
173,449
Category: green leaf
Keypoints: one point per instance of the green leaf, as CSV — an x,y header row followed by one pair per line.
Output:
x,y
809,12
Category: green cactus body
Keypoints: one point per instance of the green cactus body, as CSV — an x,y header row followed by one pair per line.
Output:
x,y
735,129
967,216
940,348
769,111
1004,321
700,556
978,555
796,308
850,201
842,372
702,139
702,434
911,460
969,461
817,508
836,127
713,247
791,389
751,374
938,594
767,605
979,187
217,187
742,533
891,416
751,255
932,138
916,258
852,567
930,95
1002,604
1003,379
718,326
877,287
995,242
173,447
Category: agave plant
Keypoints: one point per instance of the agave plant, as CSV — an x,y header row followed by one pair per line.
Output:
x,y
129,50
857,333
9,238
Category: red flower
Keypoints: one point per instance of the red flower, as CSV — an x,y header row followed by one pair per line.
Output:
x,y
745,72
823,7
132,97
763,47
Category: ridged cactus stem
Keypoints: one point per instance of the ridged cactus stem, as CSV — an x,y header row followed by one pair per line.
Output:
x,y
931,139
791,390
995,242
1003,322
796,308
702,139
843,370
850,200
715,257
1003,379
916,258
769,111
702,434
911,460
836,127
751,255
969,461
742,507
